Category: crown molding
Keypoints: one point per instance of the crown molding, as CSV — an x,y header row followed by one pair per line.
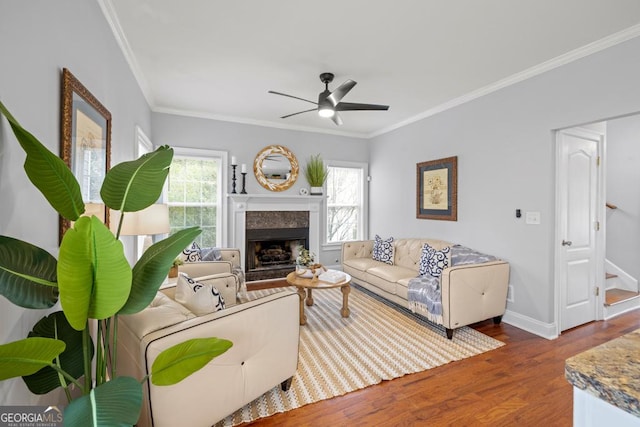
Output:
x,y
254,122
112,19
581,52
574,55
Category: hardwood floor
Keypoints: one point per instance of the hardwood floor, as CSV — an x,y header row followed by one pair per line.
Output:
x,y
520,384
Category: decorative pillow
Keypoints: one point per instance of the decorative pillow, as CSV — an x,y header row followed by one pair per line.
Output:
x,y
191,253
200,298
383,250
433,261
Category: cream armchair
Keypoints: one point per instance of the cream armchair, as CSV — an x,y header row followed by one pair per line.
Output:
x,y
228,265
265,336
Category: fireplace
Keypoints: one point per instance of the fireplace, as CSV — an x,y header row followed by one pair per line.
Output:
x,y
269,211
272,240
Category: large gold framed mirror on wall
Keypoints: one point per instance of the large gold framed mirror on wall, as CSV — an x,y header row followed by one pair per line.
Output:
x,y
276,168
85,144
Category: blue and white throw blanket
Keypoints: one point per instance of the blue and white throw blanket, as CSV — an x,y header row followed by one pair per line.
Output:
x,y
424,292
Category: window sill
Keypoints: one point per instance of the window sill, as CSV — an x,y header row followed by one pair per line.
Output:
x,y
331,246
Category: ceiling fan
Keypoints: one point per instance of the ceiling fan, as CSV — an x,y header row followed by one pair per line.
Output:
x,y
329,103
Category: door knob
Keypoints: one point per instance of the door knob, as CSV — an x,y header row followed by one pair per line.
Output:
x,y
567,243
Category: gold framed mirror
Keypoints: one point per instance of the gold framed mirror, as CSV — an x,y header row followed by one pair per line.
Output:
x,y
276,168
85,145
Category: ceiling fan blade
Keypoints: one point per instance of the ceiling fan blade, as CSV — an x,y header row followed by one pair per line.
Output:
x,y
336,119
299,112
291,96
341,91
351,106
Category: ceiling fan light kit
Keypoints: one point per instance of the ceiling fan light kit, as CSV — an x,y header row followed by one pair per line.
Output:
x,y
329,102
326,112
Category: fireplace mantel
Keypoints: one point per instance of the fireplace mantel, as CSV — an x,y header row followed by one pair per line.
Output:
x,y
239,204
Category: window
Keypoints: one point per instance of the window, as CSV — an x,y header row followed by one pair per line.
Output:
x,y
195,194
346,195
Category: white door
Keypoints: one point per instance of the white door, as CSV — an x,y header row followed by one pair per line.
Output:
x,y
577,238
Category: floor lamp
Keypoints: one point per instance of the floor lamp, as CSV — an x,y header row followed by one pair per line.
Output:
x,y
147,222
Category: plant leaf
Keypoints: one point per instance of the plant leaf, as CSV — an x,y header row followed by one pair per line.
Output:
x,y
27,356
178,362
48,172
114,403
152,268
94,277
70,360
132,186
27,274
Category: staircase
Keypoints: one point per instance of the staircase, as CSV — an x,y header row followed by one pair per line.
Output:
x,y
621,293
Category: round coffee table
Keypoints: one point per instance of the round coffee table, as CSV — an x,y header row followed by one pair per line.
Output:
x,y
306,286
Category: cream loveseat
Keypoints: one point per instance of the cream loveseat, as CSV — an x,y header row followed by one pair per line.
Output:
x,y
470,293
265,337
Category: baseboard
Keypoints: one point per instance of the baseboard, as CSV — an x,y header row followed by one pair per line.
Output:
x,y
544,330
621,308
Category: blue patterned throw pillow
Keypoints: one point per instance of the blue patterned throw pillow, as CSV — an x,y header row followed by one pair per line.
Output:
x,y
383,250
433,261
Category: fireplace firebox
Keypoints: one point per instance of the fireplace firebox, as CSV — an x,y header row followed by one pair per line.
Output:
x,y
272,241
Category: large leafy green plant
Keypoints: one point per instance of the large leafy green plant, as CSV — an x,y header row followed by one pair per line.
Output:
x,y
94,284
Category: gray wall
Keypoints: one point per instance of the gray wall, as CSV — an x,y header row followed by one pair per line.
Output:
x,y
245,141
37,39
623,176
506,160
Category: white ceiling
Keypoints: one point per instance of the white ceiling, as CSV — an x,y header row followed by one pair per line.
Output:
x,y
218,58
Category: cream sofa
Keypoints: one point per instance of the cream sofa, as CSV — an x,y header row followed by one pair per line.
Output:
x,y
470,293
265,336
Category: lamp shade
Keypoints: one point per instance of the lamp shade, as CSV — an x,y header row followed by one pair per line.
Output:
x,y
151,220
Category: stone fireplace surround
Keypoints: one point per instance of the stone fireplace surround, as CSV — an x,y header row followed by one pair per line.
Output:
x,y
272,241
240,204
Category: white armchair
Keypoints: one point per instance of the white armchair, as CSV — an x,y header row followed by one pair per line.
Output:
x,y
219,272
265,335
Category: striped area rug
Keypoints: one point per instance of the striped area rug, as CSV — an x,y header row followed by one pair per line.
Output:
x,y
377,342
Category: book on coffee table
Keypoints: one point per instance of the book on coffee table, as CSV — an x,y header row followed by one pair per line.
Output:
x,y
332,276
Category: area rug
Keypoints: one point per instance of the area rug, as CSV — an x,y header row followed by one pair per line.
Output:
x,y
377,342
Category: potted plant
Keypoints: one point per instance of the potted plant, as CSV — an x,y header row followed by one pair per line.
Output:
x,y
173,271
94,283
316,173
305,258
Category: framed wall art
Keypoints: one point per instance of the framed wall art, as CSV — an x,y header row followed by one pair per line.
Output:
x,y
85,144
437,189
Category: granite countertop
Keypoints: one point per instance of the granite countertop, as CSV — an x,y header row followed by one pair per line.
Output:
x,y
610,371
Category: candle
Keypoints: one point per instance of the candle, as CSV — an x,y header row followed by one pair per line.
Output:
x,y
234,161
244,168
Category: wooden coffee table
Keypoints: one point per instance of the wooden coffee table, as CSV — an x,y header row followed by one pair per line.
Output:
x,y
306,286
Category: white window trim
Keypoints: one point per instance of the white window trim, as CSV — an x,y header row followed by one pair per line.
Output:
x,y
142,139
222,200
365,201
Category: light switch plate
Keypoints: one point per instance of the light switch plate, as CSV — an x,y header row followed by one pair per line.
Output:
x,y
532,218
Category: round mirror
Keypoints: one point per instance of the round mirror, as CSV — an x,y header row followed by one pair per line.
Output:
x,y
276,168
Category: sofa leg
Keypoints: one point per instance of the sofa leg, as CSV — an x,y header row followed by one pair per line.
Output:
x,y
449,333
497,320
286,384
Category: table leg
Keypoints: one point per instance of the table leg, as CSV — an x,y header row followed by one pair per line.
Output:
x,y
302,295
309,297
345,300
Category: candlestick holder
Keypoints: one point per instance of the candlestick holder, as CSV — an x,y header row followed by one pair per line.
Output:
x,y
244,183
233,179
